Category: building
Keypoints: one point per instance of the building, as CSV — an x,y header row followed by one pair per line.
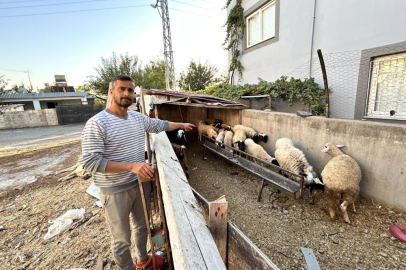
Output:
x,y
40,101
363,43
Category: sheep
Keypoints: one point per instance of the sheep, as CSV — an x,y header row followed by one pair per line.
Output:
x,y
239,137
293,159
228,139
214,122
77,171
220,137
257,151
251,133
207,130
180,151
226,127
176,136
341,177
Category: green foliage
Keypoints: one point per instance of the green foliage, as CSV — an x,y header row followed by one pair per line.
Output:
x,y
197,76
235,26
81,88
153,75
113,66
306,91
15,87
3,83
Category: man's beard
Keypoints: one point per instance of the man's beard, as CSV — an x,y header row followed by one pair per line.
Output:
x,y
123,102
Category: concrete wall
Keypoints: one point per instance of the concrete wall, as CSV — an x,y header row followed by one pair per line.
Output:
x,y
380,149
340,26
24,119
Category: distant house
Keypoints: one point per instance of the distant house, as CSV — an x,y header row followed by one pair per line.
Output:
x,y
363,42
40,101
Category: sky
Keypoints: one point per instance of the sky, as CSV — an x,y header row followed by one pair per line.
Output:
x,y
72,43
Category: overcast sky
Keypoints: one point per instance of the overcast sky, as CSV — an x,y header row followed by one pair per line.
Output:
x,y
73,43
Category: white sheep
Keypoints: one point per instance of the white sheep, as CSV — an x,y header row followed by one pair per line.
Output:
x,y
251,133
341,177
257,151
207,130
293,159
228,139
238,139
220,137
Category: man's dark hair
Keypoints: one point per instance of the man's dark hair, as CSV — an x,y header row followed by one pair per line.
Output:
x,y
120,78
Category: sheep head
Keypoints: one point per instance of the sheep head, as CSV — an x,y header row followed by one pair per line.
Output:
x,y
240,145
332,149
211,133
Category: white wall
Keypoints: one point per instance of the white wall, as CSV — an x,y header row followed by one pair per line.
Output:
x,y
342,28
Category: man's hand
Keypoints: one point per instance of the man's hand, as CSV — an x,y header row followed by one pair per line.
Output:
x,y
143,169
187,126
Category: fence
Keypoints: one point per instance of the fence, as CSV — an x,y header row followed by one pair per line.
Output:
x,y
364,83
71,114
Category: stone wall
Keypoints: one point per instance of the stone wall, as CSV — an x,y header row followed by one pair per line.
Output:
x,y
32,118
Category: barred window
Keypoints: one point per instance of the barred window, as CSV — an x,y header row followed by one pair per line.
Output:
x,y
387,88
261,24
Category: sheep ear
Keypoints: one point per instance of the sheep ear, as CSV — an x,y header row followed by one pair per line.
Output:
x,y
340,145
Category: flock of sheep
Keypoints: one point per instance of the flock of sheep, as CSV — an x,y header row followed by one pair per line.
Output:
x,y
339,179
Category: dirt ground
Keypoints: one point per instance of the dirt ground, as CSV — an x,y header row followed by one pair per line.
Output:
x,y
280,225
26,212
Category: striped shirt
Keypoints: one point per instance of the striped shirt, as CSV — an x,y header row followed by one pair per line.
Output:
x,y
108,136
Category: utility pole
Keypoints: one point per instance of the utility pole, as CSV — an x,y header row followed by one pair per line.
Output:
x,y
32,89
168,53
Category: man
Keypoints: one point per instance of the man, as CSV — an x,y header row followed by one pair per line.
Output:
x,y
113,149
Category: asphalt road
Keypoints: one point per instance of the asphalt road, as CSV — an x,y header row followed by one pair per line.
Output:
x,y
16,139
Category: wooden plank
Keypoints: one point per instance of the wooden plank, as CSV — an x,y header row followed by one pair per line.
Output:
x,y
242,254
218,224
231,107
192,245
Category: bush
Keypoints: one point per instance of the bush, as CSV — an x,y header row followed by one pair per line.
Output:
x,y
291,90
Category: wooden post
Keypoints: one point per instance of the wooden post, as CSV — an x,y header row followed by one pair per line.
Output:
x,y
218,224
323,70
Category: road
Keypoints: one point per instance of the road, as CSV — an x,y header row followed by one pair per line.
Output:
x,y
18,139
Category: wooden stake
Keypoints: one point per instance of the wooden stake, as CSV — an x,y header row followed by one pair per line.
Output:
x,y
218,224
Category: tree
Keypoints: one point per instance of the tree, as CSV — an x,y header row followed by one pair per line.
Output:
x,y
81,88
3,83
197,76
153,75
113,66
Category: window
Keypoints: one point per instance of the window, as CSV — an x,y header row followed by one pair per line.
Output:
x,y
387,89
261,24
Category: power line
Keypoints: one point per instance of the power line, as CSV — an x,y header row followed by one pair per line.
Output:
x,y
193,5
13,2
56,4
13,70
95,9
214,3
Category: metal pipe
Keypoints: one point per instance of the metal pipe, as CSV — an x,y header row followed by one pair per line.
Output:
x,y
312,37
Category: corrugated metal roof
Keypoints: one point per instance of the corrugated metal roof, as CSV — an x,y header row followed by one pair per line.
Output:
x,y
43,95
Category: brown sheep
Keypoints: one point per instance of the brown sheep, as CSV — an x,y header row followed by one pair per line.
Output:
x,y
202,128
341,177
180,151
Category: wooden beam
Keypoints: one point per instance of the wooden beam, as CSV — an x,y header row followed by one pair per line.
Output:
x,y
231,107
218,224
192,245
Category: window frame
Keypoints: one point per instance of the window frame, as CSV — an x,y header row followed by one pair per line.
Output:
x,y
375,67
260,11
